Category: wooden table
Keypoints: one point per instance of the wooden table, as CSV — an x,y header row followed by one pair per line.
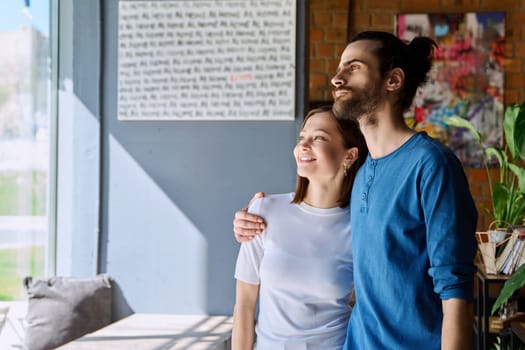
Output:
x,y
157,331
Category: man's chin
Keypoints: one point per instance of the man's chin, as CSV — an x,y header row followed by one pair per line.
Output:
x,y
340,109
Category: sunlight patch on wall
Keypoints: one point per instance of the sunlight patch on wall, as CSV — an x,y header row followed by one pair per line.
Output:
x,y
155,253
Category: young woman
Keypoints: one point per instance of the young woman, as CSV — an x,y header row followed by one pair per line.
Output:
x,y
300,269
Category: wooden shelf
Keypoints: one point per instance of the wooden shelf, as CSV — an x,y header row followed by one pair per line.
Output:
x,y
485,325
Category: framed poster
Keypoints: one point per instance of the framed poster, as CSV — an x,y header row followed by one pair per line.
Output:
x,y
466,79
207,60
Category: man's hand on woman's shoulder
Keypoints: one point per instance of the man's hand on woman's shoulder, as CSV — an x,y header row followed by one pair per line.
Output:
x,y
245,225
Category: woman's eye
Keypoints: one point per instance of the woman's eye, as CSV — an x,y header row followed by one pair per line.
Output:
x,y
321,138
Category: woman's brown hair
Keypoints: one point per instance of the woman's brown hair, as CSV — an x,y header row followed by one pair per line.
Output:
x,y
352,137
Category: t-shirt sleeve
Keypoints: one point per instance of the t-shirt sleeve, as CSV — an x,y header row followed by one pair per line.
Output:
x,y
451,218
250,253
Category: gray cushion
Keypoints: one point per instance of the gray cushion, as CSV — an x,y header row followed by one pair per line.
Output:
x,y
61,309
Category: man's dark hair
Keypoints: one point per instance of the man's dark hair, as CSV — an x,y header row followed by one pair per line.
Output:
x,y
415,59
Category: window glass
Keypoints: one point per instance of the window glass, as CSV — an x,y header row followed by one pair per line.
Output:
x,y
24,142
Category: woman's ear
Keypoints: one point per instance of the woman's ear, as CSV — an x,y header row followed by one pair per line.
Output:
x,y
395,80
351,156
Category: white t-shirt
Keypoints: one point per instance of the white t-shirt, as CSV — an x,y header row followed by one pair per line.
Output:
x,y
303,263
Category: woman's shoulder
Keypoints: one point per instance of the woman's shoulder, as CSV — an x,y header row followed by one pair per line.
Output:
x,y
270,202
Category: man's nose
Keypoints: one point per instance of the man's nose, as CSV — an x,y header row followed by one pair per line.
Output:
x,y
336,80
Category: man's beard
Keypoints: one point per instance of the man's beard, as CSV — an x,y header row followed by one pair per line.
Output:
x,y
362,103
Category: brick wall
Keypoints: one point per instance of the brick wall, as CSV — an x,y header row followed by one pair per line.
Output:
x,y
328,36
332,21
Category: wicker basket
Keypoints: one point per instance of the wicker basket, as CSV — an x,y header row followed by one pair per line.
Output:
x,y
494,251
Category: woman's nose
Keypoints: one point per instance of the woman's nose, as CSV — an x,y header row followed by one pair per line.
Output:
x,y
305,144
301,144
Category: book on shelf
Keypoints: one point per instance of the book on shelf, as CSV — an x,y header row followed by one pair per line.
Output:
x,y
514,257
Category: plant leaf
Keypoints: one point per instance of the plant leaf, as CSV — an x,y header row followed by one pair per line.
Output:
x,y
459,122
518,211
519,132
520,175
509,123
491,151
500,196
515,282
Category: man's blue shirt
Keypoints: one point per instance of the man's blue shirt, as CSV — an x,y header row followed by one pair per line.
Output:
x,y
413,242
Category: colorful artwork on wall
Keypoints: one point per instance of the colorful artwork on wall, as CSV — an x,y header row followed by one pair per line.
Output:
x,y
466,79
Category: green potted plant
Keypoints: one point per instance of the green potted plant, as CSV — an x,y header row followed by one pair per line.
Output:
x,y
508,192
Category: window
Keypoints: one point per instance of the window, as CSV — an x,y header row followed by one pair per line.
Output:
x,y
25,67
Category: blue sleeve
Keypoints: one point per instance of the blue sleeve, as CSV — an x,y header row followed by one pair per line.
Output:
x,y
451,218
